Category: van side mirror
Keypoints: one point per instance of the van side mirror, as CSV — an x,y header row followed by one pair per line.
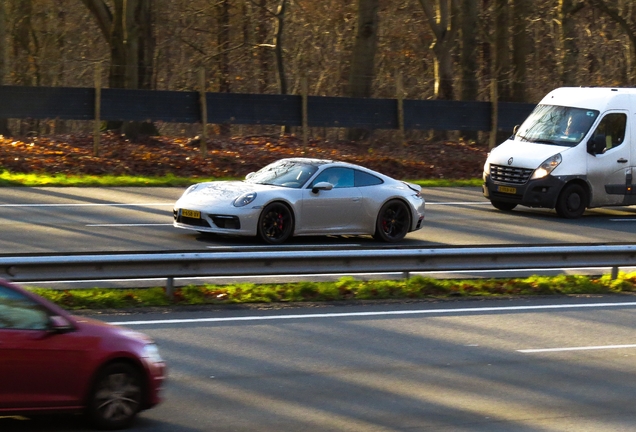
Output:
x,y
596,145
515,130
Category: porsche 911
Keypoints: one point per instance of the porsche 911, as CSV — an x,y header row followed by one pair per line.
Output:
x,y
300,197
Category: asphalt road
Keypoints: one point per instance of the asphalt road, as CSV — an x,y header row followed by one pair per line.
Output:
x,y
546,364
58,220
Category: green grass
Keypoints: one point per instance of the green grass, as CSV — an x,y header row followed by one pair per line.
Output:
x,y
33,180
11,179
346,288
476,182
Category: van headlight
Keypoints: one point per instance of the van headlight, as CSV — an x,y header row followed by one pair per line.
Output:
x,y
547,167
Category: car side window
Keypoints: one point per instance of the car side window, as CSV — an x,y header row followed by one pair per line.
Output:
x,y
366,179
609,133
20,312
338,177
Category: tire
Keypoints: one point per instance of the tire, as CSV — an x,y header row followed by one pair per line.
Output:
x,y
116,397
572,201
393,222
503,206
276,223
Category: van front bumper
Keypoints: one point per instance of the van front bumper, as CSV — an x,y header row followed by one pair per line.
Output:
x,y
534,193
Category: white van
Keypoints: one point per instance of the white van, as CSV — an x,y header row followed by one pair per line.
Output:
x,y
573,152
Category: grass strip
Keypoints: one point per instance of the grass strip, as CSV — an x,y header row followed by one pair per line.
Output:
x,y
346,288
40,180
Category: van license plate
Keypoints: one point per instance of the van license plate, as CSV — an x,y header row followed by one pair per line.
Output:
x,y
191,214
506,189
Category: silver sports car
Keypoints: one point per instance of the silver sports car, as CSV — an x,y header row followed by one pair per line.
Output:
x,y
297,196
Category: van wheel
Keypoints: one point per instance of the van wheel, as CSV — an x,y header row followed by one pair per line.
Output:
x,y
504,206
572,201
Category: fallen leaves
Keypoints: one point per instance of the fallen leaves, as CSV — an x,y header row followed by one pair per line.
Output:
x,y
231,157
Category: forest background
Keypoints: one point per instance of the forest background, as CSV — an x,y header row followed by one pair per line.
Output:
x,y
486,50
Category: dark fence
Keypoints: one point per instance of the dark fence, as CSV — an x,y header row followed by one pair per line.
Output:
x,y
235,108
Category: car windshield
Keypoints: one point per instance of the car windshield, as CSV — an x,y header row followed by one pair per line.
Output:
x,y
558,125
286,173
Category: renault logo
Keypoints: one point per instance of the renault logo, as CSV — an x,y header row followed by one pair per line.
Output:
x,y
510,161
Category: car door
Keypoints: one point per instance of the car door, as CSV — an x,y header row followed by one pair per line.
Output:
x,y
331,211
609,161
38,368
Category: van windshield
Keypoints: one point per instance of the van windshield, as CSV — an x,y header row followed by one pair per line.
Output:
x,y
558,125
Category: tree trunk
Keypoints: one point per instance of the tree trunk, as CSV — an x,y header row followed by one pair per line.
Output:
x,y
128,31
468,56
4,124
363,57
520,12
263,53
627,24
223,58
502,49
569,45
439,15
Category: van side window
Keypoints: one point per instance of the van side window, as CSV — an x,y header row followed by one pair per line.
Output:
x,y
610,132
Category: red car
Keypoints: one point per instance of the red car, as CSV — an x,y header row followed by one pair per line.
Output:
x,y
51,361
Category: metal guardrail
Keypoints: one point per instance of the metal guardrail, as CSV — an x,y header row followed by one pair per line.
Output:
x,y
286,262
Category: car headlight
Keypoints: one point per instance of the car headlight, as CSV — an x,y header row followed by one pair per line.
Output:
x,y
151,352
245,199
547,166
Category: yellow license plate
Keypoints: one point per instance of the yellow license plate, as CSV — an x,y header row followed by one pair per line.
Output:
x,y
506,189
191,214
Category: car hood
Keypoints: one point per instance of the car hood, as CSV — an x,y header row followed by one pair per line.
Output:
x,y
523,154
93,326
221,191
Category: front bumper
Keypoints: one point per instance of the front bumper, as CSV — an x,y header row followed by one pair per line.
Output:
x,y
534,193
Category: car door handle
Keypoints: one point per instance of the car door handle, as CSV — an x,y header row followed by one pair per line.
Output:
x,y
622,160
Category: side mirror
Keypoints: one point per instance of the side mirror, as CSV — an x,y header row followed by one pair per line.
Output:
x,y
596,145
515,130
321,186
59,324
247,177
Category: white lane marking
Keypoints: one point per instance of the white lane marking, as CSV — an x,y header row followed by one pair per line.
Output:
x,y
604,347
385,313
171,204
127,225
317,246
89,205
458,203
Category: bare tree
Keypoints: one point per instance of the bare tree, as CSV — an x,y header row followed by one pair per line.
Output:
x,y
127,28
520,48
569,43
502,49
4,124
439,15
626,21
363,56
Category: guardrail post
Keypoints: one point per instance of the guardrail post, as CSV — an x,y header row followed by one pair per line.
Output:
x,y
614,273
406,275
170,288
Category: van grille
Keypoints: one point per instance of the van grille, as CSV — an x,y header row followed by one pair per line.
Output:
x,y
508,174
